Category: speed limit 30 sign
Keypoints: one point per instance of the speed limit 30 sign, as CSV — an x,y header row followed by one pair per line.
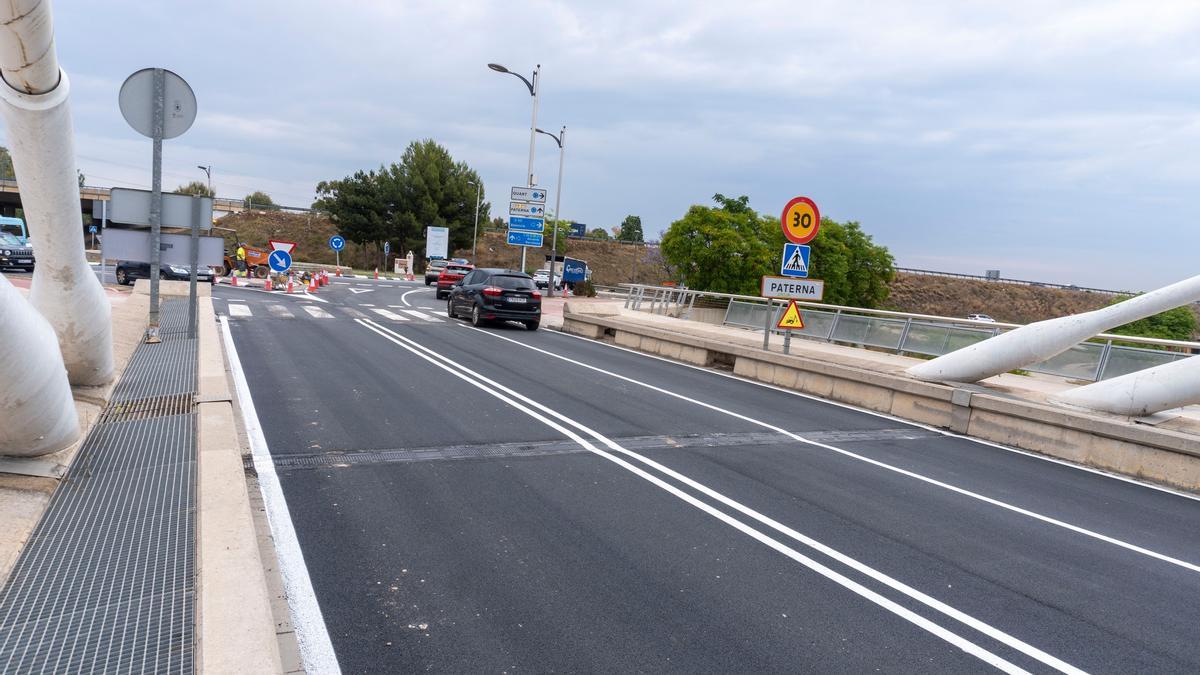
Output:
x,y
801,220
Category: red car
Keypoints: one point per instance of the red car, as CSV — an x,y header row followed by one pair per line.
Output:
x,y
451,274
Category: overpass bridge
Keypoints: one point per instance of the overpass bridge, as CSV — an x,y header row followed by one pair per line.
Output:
x,y
90,198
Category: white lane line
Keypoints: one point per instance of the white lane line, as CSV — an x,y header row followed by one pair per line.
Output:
x,y
239,310
388,314
317,312
404,296
280,311
495,388
874,462
886,416
316,650
422,315
366,305
313,296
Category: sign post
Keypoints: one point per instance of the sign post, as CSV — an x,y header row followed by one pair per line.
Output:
x,y
801,221
789,321
159,104
527,212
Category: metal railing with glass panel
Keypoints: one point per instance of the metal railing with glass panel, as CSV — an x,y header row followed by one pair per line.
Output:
x,y
1102,357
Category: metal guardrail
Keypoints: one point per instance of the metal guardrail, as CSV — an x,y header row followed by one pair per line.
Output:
x,y
907,333
1004,280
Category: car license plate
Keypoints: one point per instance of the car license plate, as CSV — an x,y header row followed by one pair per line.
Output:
x,y
520,300
25,260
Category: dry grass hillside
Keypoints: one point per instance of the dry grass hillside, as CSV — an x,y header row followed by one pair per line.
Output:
x,y
951,296
611,262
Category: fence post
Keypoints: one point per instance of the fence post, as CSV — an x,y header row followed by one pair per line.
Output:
x,y
904,335
1103,360
833,326
691,303
629,297
767,324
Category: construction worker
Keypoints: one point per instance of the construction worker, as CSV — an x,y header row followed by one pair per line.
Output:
x,y
241,258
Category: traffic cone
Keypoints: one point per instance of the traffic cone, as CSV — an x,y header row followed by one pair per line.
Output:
x,y
267,284
312,284
376,272
324,278
289,286
338,271
233,279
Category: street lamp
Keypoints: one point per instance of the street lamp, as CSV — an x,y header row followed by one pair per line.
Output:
x,y
475,237
208,172
560,138
533,92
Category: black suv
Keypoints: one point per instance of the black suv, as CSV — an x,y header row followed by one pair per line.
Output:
x,y
496,295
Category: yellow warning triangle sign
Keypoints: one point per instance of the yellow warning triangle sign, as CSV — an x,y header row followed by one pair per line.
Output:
x,y
791,317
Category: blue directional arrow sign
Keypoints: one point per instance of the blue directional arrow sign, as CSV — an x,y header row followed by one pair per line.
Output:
x,y
337,242
519,238
795,260
387,247
280,261
526,224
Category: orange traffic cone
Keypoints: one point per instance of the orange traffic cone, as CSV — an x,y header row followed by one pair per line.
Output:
x,y
289,286
376,272
338,271
233,280
267,284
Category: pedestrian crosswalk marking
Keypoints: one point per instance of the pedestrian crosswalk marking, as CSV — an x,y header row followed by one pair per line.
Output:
x,y
388,314
421,315
354,313
317,312
280,311
239,310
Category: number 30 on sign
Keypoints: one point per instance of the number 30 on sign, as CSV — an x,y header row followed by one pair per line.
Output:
x,y
801,220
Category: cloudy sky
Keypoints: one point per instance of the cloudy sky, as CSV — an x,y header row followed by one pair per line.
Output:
x,y
1053,141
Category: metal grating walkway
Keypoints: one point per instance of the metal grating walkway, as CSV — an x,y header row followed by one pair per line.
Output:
x,y
105,583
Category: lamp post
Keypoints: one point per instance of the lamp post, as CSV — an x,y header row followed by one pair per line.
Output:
x,y
560,139
475,237
207,172
533,87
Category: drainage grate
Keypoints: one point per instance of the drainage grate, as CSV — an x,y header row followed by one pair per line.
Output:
x,y
143,408
105,583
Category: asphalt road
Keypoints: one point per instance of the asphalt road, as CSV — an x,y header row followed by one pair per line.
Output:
x,y
505,500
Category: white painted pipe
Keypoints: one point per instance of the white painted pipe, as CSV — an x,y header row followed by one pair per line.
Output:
x,y
35,398
1039,341
1171,385
41,140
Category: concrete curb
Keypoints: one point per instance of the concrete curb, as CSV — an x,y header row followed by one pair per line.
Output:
x,y
1114,444
235,629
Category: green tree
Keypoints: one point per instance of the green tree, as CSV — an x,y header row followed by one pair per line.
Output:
x,y
195,187
1173,324
599,233
727,249
397,202
631,229
259,200
6,165
561,230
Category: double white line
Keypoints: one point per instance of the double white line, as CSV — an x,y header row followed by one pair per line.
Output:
x,y
569,428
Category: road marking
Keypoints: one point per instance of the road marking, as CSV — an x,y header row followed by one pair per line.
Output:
x,y
366,305
511,397
316,650
239,310
354,313
886,416
280,311
356,291
421,315
846,453
317,312
388,314
404,297
312,296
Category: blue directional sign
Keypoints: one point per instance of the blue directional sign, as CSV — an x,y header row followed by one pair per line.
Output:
x,y
337,242
280,261
518,238
387,247
526,224
795,260
91,229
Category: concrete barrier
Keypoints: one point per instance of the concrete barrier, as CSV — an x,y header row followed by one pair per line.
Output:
x,y
1113,444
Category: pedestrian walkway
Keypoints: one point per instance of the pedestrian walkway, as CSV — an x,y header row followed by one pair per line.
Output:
x,y
105,582
239,311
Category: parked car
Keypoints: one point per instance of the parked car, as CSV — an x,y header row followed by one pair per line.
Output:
x,y
14,253
541,279
128,271
496,295
981,317
452,273
433,270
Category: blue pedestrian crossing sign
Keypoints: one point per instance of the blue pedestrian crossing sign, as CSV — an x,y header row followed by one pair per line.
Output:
x,y
280,261
795,260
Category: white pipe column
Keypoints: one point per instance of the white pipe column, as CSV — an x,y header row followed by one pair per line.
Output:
x,y
1039,341
40,137
1171,385
35,399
